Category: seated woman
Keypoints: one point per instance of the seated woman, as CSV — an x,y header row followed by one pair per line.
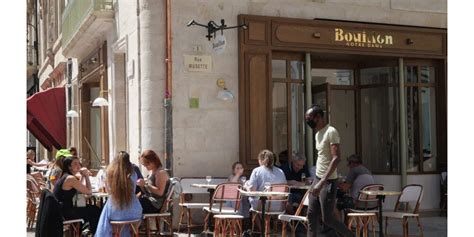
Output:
x,y
155,188
122,204
265,173
68,185
237,173
56,168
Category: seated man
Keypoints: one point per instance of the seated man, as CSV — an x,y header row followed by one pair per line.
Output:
x,y
295,171
358,177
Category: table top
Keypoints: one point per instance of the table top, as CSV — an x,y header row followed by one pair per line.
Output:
x,y
208,186
381,192
97,194
263,193
306,187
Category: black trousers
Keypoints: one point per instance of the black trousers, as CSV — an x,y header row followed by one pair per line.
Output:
x,y
89,213
323,207
147,206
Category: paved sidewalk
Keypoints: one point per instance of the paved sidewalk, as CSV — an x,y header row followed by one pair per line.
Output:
x,y
432,227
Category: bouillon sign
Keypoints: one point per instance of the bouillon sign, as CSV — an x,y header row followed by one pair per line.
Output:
x,y
362,38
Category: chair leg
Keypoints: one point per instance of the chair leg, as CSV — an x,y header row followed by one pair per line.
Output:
x,y
405,227
147,227
373,226
386,225
254,215
190,221
157,224
365,222
217,224
283,229
419,226
181,216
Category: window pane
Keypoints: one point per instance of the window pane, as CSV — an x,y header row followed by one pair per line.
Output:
x,y
297,118
95,131
279,117
380,129
413,130
379,75
427,74
297,70
411,74
278,68
332,76
428,110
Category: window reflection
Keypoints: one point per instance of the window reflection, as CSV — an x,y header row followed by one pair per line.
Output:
x,y
429,128
379,120
279,117
332,76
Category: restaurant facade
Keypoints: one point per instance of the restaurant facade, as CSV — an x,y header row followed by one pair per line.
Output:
x,y
378,68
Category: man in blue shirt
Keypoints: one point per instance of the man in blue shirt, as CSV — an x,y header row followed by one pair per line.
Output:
x,y
294,172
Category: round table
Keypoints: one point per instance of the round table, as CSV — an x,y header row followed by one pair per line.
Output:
x,y
263,195
210,188
381,197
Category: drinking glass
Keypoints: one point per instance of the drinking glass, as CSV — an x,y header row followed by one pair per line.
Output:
x,y
243,179
267,186
208,179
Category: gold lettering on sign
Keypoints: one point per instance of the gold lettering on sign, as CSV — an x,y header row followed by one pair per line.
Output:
x,y
362,39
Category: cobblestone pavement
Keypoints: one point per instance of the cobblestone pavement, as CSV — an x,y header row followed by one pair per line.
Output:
x,y
433,226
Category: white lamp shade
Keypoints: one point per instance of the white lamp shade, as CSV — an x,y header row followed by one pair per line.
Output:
x,y
72,114
225,94
99,102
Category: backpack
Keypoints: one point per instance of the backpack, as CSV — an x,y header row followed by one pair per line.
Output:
x,y
177,187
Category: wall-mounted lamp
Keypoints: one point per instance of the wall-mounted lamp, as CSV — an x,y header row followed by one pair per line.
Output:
x,y
212,27
100,101
224,93
72,114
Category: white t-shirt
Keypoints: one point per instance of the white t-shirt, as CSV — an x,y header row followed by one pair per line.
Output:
x,y
324,138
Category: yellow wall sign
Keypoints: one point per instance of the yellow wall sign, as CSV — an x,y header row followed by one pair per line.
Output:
x,y
198,63
362,38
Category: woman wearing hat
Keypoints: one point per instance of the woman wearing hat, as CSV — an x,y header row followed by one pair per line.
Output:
x,y
57,169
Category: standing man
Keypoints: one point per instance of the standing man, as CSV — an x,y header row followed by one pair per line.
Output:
x,y
322,201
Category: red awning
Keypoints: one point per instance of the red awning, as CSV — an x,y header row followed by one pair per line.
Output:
x,y
46,117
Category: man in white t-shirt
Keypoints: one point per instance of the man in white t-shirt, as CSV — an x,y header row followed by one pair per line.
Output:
x,y
322,201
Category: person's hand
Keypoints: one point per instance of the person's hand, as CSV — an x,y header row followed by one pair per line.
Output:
x,y
317,189
85,172
141,182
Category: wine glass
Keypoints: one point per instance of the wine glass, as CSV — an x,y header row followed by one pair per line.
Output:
x,y
243,179
208,179
267,186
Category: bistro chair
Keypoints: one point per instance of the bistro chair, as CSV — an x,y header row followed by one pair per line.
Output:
x,y
228,224
411,194
185,206
294,220
164,215
33,201
365,210
275,206
73,226
225,201
117,227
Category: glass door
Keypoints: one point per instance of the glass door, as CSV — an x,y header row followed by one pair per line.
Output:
x,y
335,93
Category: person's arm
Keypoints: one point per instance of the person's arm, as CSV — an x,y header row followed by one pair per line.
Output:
x,y
73,182
159,186
252,182
335,153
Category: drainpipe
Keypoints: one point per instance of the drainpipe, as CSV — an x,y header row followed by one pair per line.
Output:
x,y
69,98
309,132
168,94
139,76
403,123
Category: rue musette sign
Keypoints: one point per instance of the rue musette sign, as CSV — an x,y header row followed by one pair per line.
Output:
x,y
365,39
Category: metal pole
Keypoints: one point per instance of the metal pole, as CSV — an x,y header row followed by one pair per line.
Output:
x,y
309,132
403,123
69,99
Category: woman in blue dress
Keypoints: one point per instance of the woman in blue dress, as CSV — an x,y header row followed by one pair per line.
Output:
x,y
122,203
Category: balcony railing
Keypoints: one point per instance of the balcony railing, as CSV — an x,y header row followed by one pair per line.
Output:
x,y
77,12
